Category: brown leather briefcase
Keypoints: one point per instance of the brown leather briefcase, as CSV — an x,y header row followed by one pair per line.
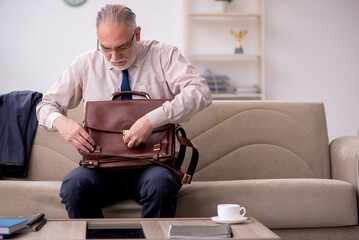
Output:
x,y
108,121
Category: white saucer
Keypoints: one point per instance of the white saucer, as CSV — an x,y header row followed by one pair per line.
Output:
x,y
236,220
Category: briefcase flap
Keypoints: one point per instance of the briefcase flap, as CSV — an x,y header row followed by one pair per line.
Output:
x,y
116,116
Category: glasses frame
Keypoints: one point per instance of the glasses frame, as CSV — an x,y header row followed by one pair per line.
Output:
x,y
100,48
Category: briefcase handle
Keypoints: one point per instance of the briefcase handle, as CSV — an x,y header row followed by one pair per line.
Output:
x,y
123,93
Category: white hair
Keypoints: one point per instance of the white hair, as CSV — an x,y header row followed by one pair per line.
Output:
x,y
116,14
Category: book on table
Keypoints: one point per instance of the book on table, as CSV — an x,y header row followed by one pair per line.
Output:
x,y
30,223
11,225
34,222
192,231
33,219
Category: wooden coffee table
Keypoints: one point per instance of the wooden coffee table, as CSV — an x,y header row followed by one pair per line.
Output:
x,y
152,228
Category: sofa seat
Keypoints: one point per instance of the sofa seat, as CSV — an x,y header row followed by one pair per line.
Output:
x,y
23,198
277,203
295,203
43,196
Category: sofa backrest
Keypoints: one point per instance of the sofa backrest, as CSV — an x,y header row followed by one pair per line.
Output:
x,y
235,139
260,140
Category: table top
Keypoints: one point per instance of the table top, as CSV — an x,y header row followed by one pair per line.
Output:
x,y
153,228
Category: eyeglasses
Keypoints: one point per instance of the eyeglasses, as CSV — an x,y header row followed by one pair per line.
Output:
x,y
118,49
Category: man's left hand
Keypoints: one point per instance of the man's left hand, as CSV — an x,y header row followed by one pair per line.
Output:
x,y
139,132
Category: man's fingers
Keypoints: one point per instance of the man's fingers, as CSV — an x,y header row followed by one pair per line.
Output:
x,y
84,143
73,133
130,140
126,138
89,142
139,132
81,140
133,142
79,145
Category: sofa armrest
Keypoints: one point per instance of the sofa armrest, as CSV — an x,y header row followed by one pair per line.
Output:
x,y
344,159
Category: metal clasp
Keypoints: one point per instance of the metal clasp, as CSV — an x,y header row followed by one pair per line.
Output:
x,y
157,147
186,178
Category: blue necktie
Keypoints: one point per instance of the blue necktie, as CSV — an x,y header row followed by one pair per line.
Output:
x,y
125,85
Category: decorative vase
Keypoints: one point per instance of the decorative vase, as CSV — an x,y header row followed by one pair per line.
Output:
x,y
221,6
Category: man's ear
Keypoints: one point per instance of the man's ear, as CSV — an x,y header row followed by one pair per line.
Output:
x,y
138,33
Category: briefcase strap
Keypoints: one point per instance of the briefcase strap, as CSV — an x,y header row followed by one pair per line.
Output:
x,y
185,178
185,142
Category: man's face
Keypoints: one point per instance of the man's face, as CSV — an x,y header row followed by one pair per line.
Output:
x,y
118,43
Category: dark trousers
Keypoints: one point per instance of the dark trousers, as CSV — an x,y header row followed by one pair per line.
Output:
x,y
86,191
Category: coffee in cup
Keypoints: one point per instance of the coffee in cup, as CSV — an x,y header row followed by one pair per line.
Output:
x,y
230,211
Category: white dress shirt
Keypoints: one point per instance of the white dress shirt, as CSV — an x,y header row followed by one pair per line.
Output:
x,y
159,70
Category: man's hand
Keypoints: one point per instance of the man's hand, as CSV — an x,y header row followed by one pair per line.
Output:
x,y
139,132
73,133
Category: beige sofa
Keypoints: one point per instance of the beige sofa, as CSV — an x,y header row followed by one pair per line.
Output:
x,y
271,157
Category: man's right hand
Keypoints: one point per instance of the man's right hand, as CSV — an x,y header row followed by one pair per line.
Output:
x,y
73,133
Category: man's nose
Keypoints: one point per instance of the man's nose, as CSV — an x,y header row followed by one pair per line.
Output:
x,y
115,55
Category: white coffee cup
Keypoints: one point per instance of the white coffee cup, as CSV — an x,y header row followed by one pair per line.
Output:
x,y
230,211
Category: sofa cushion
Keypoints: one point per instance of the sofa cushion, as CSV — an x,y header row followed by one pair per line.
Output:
x,y
277,203
240,140
52,158
30,197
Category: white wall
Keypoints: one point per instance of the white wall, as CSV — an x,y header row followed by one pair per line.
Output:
x,y
312,50
313,55
40,38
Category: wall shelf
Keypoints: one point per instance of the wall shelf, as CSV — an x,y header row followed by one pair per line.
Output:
x,y
209,45
224,56
235,15
232,96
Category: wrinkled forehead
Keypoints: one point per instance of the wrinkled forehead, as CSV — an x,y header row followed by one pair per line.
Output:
x,y
112,35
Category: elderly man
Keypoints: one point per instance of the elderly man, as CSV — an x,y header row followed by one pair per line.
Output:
x,y
123,62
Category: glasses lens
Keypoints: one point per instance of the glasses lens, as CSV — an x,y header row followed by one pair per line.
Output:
x,y
119,49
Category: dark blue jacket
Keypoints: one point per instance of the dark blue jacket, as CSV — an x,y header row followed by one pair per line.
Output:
x,y
18,125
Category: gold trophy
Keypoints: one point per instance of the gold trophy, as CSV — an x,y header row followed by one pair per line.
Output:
x,y
238,34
